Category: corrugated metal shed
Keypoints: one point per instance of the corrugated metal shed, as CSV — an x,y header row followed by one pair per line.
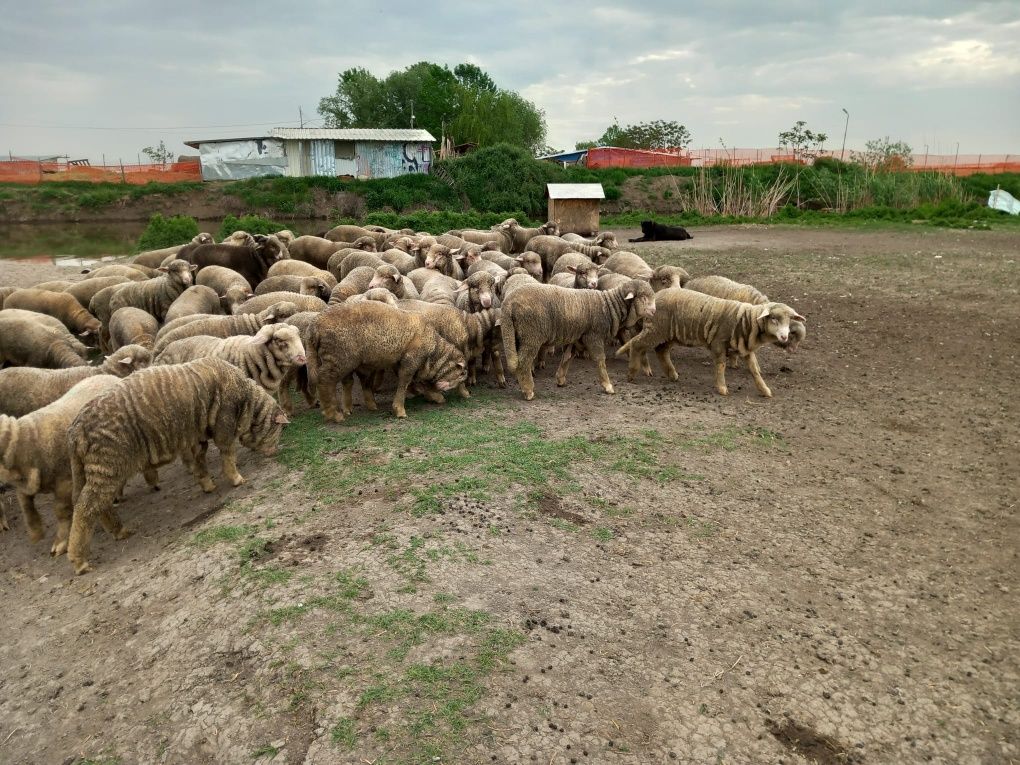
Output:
x,y
575,191
353,134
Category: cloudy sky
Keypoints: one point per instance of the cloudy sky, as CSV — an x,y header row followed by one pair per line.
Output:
x,y
109,77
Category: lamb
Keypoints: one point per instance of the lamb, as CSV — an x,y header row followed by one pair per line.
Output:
x,y
261,302
232,288
551,248
477,293
24,342
132,326
224,326
50,322
87,289
576,270
541,315
343,263
346,233
354,283
151,418
59,305
314,250
665,277
629,264
372,336
303,285
388,277
25,389
404,262
154,295
195,299
689,318
58,285
135,274
292,267
155,258
34,457
606,239
265,357
727,289
721,287
520,237
473,334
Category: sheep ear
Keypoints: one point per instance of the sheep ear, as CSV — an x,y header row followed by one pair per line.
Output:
x,y
498,322
462,287
262,336
462,365
630,296
798,317
573,270
281,419
194,266
764,314
162,268
519,258
127,361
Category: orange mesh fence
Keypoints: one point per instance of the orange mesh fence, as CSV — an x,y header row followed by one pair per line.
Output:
x,y
32,171
612,157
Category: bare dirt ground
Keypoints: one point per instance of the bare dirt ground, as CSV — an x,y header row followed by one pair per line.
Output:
x,y
664,575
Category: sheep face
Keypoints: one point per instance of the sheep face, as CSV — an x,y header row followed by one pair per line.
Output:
x,y
607,239
278,312
283,341
366,243
234,296
203,238
180,271
797,333
532,263
551,228
313,285
585,277
775,319
447,371
479,287
641,298
387,277
379,294
666,277
241,239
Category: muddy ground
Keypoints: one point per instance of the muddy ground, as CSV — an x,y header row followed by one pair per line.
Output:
x,y
664,575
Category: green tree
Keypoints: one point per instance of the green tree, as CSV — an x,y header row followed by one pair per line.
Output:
x,y
883,154
656,134
466,101
158,154
803,142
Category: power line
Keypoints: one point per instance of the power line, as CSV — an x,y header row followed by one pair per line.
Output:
x,y
172,127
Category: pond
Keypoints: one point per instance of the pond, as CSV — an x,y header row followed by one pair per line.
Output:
x,y
56,242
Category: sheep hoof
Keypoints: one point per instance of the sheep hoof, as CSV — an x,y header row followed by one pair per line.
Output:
x,y
609,389
723,391
529,396
237,480
400,413
59,547
124,533
207,485
81,567
675,376
766,393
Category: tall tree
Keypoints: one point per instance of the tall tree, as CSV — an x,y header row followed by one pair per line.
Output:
x,y
466,101
802,141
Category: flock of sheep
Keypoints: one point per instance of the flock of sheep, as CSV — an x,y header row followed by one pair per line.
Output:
x,y
205,340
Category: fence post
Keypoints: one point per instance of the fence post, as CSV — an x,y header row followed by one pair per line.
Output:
x,y
123,178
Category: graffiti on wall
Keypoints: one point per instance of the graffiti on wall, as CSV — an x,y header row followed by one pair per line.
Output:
x,y
388,160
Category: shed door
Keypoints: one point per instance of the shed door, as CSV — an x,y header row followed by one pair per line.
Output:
x,y
323,160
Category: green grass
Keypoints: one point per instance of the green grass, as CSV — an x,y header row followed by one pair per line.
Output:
x,y
343,733
217,534
603,534
267,751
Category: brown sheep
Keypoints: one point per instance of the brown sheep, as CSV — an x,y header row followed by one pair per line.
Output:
x,y
151,418
373,336
520,236
628,264
154,295
542,315
692,319
388,277
354,283
293,267
584,273
340,264
551,248
59,305
49,322
155,258
135,273
195,299
31,344
302,285
223,326
314,250
260,303
87,289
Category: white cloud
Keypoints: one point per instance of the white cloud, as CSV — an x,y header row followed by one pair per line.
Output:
x,y
665,55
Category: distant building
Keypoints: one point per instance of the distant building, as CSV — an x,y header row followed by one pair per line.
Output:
x,y
574,207
355,153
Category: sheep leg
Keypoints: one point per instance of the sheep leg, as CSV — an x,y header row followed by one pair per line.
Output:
x,y
33,523
62,509
4,526
597,351
666,362
561,371
734,360
525,375
347,394
720,374
497,364
368,388
94,499
463,391
752,365
326,389
635,354
194,460
228,458
404,376
646,365
151,476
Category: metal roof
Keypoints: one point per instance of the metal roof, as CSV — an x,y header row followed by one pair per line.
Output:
x,y
566,156
395,135
353,134
575,191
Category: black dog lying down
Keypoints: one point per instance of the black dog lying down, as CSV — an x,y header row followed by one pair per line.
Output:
x,y
658,232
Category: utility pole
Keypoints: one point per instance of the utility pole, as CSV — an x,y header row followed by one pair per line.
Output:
x,y
412,114
846,125
301,116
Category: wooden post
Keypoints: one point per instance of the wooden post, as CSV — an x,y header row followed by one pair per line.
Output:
x,y
123,178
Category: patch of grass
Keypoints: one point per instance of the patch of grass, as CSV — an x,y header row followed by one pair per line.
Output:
x,y
217,534
265,750
343,734
408,629
351,585
603,534
563,525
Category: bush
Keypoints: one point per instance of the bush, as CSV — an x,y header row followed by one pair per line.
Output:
x,y
439,221
167,232
253,224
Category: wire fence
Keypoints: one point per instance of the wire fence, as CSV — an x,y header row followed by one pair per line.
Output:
x,y
30,171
